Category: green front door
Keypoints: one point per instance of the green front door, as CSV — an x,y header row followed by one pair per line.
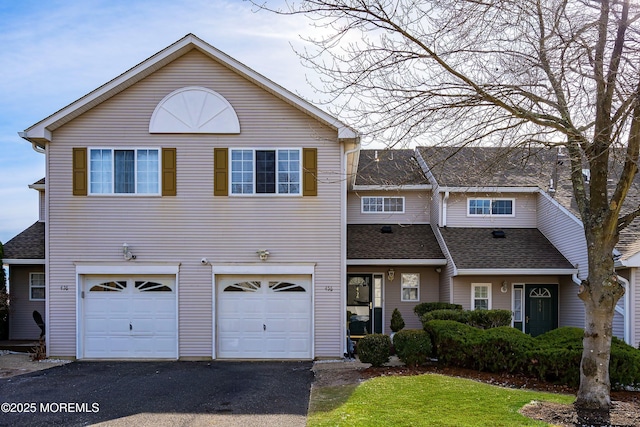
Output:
x,y
541,309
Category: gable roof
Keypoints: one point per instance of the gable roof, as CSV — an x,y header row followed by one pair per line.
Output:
x,y
490,166
476,249
40,133
405,242
389,168
27,245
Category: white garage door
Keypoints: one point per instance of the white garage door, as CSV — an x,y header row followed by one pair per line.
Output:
x,y
129,317
264,317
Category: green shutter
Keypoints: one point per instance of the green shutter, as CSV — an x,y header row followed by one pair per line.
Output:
x,y
220,172
310,172
79,171
169,172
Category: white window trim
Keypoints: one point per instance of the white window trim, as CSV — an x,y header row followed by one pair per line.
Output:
x,y
31,286
402,288
473,294
382,211
495,199
254,194
135,173
520,287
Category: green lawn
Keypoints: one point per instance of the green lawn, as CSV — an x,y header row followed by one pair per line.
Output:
x,y
423,400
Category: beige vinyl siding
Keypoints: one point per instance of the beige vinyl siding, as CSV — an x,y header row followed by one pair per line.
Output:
x,y
42,206
416,208
571,307
525,211
564,232
195,224
499,300
392,292
618,322
21,323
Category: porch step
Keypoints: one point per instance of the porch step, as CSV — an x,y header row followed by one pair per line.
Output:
x,y
19,346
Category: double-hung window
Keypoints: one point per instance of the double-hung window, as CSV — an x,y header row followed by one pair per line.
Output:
x,y
490,207
37,286
124,171
382,204
276,171
481,296
410,287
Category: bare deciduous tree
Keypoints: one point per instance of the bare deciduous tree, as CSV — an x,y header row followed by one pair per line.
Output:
x,y
511,73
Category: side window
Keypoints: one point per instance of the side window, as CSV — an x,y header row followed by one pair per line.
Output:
x,y
37,286
410,287
481,296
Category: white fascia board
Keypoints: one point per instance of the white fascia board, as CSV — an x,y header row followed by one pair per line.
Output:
x,y
263,268
632,261
24,261
489,189
40,132
515,271
414,187
127,268
428,262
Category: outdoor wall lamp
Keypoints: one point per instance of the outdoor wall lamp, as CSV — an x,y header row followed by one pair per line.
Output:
x,y
504,288
391,274
263,254
126,253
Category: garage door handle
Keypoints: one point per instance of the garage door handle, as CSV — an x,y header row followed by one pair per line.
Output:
x,y
130,327
264,327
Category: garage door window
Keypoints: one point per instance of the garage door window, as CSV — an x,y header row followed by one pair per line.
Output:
x,y
285,287
152,287
243,287
109,287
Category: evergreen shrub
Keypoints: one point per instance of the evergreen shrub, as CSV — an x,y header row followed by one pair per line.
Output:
x,y
374,349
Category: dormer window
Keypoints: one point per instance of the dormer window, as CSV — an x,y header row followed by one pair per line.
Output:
x,y
490,207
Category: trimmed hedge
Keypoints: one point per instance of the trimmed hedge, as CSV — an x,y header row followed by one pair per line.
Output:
x,y
425,307
554,356
413,346
374,349
483,319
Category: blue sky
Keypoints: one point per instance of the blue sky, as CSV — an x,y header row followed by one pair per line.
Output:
x,y
53,52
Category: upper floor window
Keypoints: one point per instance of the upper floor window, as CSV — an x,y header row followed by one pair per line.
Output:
x,y
383,204
490,207
127,171
37,286
275,171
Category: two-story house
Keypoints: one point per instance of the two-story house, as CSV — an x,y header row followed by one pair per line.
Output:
x,y
193,209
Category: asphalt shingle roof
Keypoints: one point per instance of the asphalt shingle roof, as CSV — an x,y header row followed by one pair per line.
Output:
x,y
27,245
367,241
390,167
476,248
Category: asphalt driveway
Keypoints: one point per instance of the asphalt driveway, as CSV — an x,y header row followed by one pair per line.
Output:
x,y
159,393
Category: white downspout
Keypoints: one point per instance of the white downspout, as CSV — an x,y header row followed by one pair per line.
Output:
x,y
443,220
627,311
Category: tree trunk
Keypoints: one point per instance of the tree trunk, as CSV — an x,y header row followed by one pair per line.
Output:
x,y
600,294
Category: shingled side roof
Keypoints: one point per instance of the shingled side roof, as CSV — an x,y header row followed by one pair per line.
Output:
x,y
521,248
27,245
389,168
367,241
